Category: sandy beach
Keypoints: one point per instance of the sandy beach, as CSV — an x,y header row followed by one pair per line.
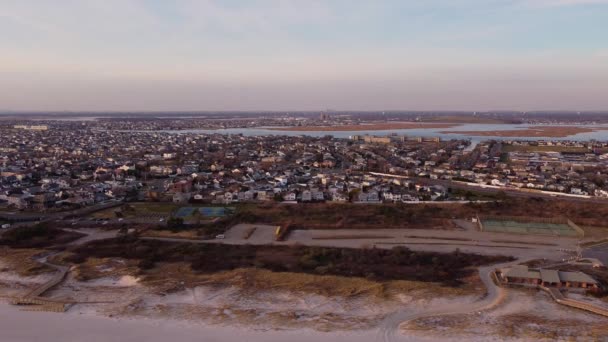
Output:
x,y
25,326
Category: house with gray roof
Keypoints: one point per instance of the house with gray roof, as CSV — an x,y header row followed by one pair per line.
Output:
x,y
525,276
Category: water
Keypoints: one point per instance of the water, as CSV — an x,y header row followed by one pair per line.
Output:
x,y
416,132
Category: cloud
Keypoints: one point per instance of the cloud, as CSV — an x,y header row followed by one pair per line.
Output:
x,y
602,54
303,44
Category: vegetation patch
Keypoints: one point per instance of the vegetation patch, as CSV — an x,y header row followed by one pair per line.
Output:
x,y
22,261
326,285
351,237
38,236
398,263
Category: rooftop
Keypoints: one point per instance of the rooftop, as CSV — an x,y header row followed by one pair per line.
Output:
x,y
548,276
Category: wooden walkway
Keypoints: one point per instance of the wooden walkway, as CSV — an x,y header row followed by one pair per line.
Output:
x,y
559,298
34,299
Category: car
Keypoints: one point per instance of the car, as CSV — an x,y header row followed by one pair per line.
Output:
x,y
161,220
220,236
120,219
6,226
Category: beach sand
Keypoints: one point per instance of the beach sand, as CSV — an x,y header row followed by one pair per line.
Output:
x,y
25,326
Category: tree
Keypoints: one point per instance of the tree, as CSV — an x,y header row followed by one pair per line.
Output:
x,y
353,194
175,223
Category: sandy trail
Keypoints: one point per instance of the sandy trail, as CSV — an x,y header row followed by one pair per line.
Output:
x,y
389,328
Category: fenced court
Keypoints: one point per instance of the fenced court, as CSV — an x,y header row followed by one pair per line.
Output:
x,y
215,211
530,225
184,212
204,211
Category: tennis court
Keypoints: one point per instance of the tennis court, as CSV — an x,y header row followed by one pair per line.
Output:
x,y
215,211
204,211
535,228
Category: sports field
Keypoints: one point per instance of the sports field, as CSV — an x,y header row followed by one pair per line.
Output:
x,y
535,228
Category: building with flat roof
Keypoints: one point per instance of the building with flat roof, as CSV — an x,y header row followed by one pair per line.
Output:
x,y
32,127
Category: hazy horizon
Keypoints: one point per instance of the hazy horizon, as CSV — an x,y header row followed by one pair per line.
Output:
x,y
150,55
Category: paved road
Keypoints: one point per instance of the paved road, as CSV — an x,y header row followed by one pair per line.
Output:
x,y
442,241
599,252
389,328
509,191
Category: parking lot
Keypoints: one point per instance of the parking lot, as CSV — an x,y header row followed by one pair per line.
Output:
x,y
254,234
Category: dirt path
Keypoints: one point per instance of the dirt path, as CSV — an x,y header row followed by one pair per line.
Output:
x,y
390,327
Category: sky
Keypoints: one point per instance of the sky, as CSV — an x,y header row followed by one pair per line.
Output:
x,y
132,55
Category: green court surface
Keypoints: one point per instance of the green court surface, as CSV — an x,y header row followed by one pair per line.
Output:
x,y
204,211
536,228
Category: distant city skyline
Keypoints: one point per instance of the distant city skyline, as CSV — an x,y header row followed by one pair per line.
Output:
x,y
154,55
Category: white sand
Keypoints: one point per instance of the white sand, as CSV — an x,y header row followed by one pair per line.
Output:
x,y
123,281
21,326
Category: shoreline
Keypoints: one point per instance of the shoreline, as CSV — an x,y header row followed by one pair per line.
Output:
x,y
76,326
531,132
365,127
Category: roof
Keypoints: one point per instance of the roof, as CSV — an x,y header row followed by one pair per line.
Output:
x,y
522,271
549,276
577,277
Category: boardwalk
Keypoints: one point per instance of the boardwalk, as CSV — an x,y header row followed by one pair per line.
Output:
x,y
559,298
34,297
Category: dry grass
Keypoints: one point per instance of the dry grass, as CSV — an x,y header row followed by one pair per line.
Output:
x,y
456,324
105,214
250,279
138,209
155,207
95,268
184,234
595,231
536,327
254,317
350,237
22,262
539,131
525,243
435,238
